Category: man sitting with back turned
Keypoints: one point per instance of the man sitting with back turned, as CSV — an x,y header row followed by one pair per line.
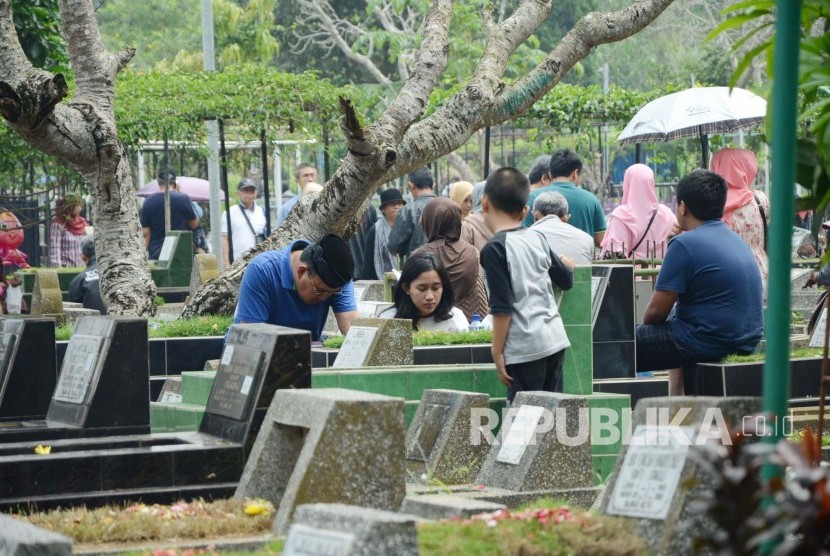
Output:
x,y
711,274
295,286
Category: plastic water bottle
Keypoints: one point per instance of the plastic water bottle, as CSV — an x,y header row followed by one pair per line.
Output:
x,y
476,325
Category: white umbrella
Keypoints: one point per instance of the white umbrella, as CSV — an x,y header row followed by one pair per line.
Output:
x,y
698,111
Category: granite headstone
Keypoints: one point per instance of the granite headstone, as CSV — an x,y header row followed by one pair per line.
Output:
x,y
656,477
330,446
438,441
19,538
373,342
28,371
343,530
47,299
537,450
105,376
258,359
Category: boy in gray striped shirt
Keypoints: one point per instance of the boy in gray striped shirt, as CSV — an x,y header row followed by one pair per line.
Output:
x,y
529,339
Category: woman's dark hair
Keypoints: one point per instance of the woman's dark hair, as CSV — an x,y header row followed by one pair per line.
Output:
x,y
415,266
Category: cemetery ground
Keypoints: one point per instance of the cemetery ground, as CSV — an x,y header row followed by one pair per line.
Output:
x,y
543,527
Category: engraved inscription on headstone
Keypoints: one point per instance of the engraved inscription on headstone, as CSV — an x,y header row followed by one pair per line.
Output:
x,y
78,368
167,248
521,433
304,540
435,416
238,368
650,472
355,349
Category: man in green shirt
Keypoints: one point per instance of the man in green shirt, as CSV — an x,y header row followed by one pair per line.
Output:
x,y
584,207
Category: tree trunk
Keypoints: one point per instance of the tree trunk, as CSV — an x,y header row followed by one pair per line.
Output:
x,y
83,134
401,141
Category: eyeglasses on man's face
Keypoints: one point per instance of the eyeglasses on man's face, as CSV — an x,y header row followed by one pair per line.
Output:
x,y
322,294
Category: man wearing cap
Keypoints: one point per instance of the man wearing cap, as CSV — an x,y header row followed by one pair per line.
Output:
x,y
377,259
295,286
182,215
247,222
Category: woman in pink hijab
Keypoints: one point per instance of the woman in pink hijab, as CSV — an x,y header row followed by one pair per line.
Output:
x,y
640,225
746,211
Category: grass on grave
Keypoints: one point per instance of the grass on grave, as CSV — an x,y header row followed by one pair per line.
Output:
x,y
211,325
139,522
544,527
794,354
430,338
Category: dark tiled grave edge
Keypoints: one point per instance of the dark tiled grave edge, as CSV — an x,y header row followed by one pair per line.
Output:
x,y
172,355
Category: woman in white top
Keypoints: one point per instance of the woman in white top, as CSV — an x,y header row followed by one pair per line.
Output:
x,y
424,294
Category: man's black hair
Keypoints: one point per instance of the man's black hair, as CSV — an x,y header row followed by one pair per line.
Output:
x,y
166,175
508,190
704,194
563,162
421,178
540,167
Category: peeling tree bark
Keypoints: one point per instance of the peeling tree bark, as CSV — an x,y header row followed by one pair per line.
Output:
x,y
82,133
401,140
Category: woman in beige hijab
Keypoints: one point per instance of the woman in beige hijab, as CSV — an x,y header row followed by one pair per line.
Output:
x,y
462,193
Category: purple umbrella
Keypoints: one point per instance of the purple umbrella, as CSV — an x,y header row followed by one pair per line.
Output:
x,y
196,188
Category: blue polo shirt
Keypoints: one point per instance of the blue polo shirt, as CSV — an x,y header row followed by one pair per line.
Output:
x,y
719,307
267,294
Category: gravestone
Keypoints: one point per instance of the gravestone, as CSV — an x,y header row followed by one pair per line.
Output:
x,y
171,391
205,269
46,295
817,337
258,359
163,467
368,295
369,309
329,445
614,322
438,439
447,506
71,314
105,377
657,479
168,248
342,530
28,372
373,342
536,451
19,538
368,290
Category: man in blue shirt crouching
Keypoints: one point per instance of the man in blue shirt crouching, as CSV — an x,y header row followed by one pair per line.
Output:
x,y
295,286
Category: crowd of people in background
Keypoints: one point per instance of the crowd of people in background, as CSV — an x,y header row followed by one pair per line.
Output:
x,y
494,252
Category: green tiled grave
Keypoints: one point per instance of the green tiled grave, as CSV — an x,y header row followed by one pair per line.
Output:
x,y
196,386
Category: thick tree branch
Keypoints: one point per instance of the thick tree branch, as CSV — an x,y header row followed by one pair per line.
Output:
x,y
14,66
592,30
93,66
318,9
410,102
